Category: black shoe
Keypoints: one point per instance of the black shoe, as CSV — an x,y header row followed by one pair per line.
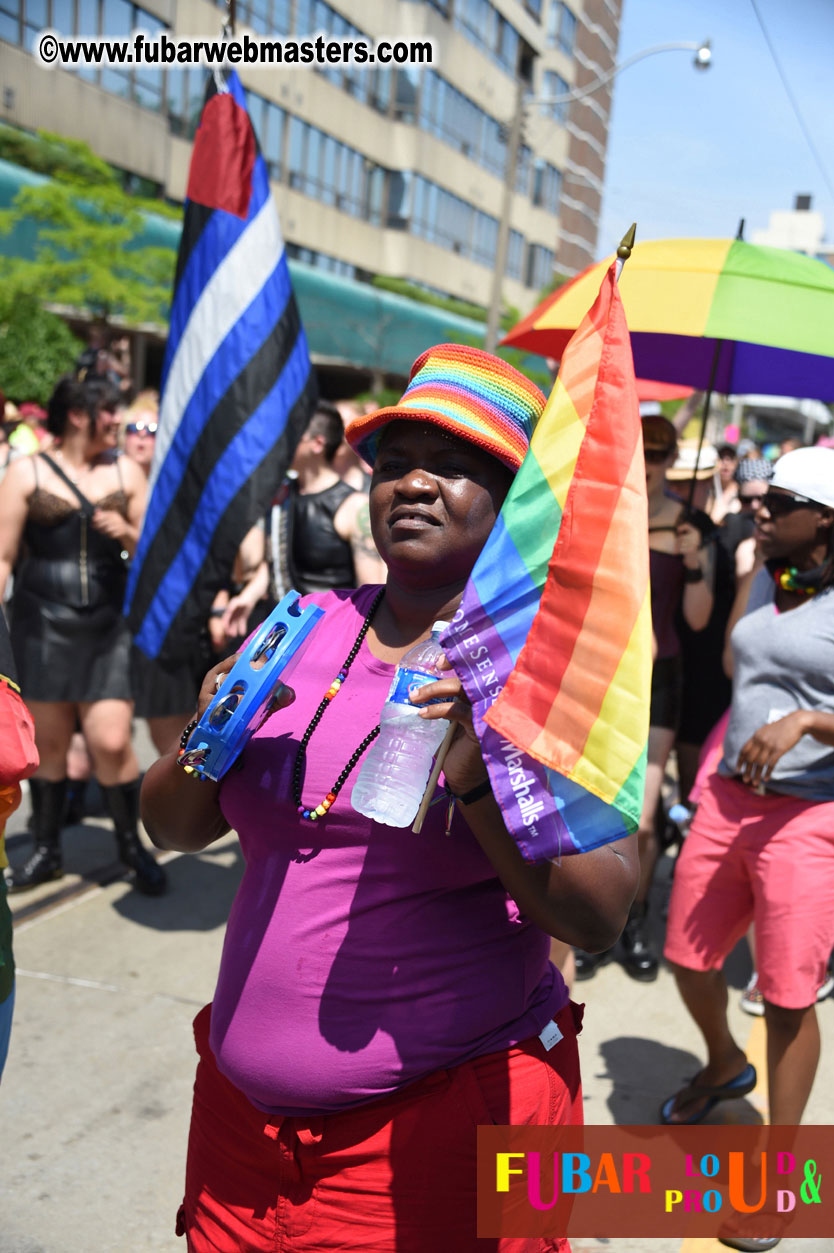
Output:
x,y
42,867
45,863
148,875
639,956
122,802
587,964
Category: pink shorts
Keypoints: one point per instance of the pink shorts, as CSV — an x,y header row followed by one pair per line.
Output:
x,y
395,1176
769,859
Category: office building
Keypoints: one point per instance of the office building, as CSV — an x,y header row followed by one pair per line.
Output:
x,y
394,171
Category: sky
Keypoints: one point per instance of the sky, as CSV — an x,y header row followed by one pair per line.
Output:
x,y
690,152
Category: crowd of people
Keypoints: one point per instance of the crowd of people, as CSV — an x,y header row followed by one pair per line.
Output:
x,y
437,978
73,489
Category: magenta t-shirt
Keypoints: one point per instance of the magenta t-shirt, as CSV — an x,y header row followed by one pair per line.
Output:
x,y
359,957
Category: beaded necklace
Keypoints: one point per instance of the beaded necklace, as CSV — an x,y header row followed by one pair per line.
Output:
x,y
313,812
792,580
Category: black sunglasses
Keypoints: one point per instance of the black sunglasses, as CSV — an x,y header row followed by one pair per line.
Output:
x,y
656,456
778,504
141,428
752,499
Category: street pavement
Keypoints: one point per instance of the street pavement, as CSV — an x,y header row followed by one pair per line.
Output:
x,y
95,1099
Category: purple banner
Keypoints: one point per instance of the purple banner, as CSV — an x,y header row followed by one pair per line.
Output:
x,y
519,782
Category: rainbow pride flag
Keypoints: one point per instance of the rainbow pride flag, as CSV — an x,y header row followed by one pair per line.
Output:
x,y
552,641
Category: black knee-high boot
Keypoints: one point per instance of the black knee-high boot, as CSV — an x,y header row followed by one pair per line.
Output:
x,y
48,804
122,803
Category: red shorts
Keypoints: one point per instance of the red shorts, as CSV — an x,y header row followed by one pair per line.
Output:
x,y
766,859
394,1176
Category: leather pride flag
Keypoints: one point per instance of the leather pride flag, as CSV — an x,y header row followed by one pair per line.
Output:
x,y
237,387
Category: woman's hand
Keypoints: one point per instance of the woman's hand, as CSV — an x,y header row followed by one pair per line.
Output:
x,y
689,544
236,617
110,523
464,765
183,813
698,598
582,900
763,750
215,679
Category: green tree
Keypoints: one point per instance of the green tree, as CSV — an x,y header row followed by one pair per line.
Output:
x,y
50,154
88,253
36,348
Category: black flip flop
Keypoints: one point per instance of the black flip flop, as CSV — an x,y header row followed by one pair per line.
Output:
x,y
742,1084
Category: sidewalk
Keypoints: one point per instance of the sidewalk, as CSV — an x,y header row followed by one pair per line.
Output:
x,y
96,1094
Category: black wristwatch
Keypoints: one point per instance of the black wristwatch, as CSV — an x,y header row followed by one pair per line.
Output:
x,y
474,794
692,576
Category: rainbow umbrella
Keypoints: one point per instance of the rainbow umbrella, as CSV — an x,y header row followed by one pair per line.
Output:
x,y
717,314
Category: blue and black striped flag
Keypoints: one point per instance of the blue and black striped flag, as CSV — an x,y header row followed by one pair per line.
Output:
x,y
237,390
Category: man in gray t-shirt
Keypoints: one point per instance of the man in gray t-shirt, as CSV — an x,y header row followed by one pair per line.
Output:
x,y
783,662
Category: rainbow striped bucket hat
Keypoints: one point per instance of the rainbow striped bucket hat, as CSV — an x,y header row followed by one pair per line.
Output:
x,y
467,392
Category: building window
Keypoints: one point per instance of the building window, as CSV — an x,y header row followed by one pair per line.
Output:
x,y
484,238
484,26
9,21
452,223
555,86
382,81
522,170
187,92
405,95
561,27
330,153
399,199
547,186
35,18
321,261
376,195
515,255
331,172
312,16
20,20
540,263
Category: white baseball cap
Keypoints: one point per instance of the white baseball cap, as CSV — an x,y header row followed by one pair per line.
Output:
x,y
807,472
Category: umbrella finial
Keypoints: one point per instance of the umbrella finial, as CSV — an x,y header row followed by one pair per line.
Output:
x,y
627,243
740,231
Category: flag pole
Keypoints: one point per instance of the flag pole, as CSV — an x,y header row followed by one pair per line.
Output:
x,y
624,250
719,344
445,744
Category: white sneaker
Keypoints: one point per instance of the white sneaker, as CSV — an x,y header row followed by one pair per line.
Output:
x,y
752,1001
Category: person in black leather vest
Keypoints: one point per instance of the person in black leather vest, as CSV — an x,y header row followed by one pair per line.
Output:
x,y
318,532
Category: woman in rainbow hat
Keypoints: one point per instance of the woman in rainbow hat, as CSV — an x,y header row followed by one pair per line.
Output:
x,y
382,993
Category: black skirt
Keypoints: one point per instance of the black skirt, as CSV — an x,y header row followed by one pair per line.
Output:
x,y
162,691
70,654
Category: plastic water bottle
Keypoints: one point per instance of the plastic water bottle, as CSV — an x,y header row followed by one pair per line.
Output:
x,y
396,769
681,816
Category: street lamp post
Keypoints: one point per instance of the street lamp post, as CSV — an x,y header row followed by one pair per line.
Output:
x,y
702,61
